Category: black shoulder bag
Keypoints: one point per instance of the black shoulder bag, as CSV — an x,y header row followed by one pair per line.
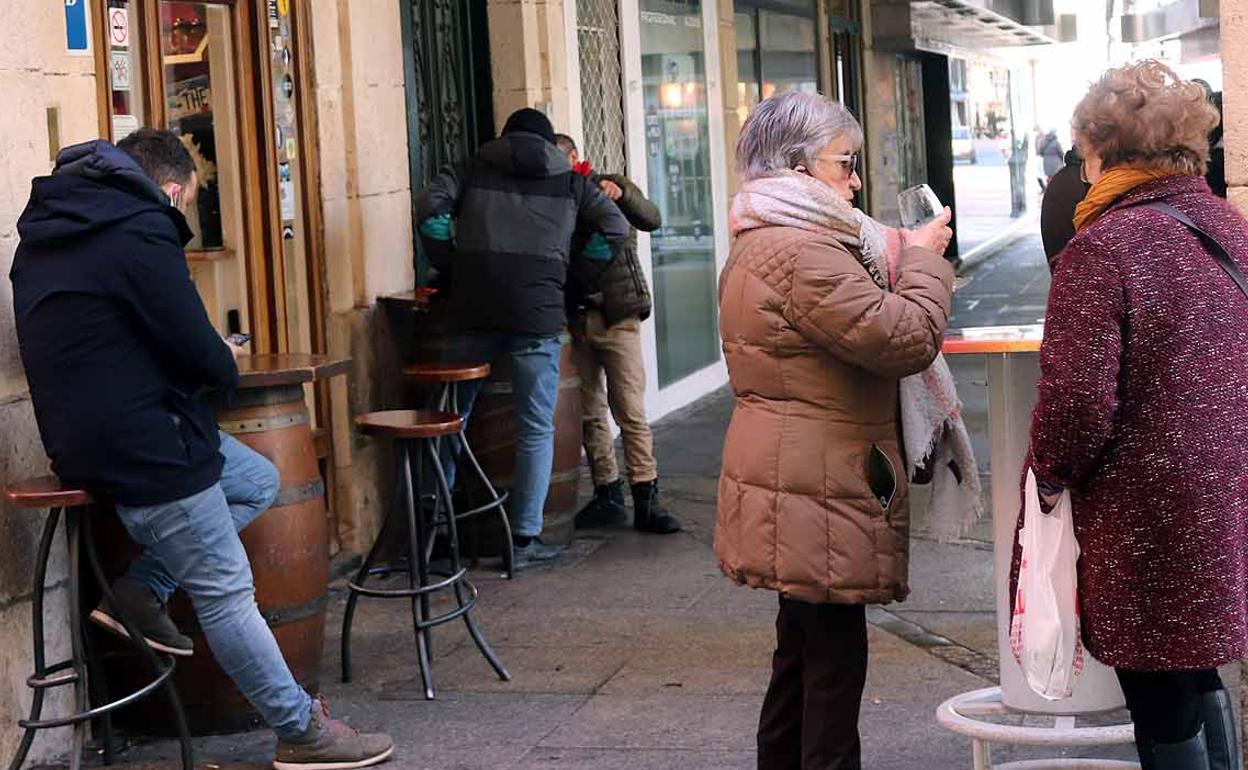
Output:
x,y
1220,254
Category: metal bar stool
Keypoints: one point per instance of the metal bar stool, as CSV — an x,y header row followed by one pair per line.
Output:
x,y
414,434
448,376
48,492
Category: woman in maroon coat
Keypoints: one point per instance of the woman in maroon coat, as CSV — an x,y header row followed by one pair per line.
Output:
x,y
1143,414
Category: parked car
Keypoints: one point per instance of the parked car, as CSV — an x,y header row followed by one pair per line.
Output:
x,y
963,145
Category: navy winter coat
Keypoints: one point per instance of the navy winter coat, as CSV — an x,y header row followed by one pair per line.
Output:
x,y
119,353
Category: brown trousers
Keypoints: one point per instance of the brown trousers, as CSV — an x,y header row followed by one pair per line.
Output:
x,y
613,377
810,713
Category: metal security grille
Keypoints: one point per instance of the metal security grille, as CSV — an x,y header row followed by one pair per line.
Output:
x,y
602,98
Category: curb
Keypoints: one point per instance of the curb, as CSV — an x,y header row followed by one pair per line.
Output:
x,y
990,248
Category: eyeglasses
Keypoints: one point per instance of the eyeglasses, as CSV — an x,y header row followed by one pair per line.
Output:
x,y
848,162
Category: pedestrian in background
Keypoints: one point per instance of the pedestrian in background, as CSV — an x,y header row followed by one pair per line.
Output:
x,y
1143,413
1052,156
606,321
502,225
813,497
1057,208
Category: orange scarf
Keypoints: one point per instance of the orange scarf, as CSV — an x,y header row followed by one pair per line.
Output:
x,y
1112,185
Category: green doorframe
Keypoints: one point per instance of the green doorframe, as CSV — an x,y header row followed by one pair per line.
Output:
x,y
450,111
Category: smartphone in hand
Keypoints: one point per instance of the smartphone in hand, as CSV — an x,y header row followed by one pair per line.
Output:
x,y
238,339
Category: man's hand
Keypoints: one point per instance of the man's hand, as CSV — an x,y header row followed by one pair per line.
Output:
x,y
237,350
610,189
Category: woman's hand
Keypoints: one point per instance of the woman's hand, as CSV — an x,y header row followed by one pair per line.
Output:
x,y
935,235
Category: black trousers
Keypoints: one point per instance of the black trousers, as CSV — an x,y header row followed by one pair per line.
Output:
x,y
810,714
1165,704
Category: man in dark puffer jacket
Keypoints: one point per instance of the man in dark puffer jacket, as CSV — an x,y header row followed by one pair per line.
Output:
x,y
502,225
606,339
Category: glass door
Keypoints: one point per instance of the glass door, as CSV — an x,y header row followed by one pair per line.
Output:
x,y
678,162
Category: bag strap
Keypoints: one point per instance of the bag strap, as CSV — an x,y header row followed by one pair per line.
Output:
x,y
1220,254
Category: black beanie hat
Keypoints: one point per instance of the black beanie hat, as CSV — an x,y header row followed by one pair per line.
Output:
x,y
531,121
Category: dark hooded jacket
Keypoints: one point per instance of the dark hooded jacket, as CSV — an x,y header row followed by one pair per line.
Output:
x,y
517,207
119,353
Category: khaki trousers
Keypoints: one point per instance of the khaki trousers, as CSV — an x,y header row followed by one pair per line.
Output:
x,y
613,354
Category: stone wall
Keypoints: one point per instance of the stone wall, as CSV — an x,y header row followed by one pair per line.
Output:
x,y
366,202
530,60
38,74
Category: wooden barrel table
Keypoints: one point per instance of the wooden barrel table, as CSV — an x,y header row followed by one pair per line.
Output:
x,y
288,546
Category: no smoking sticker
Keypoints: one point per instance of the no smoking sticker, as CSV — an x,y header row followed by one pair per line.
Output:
x,y
119,26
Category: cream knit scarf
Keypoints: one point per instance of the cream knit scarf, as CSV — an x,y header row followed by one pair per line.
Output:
x,y
933,431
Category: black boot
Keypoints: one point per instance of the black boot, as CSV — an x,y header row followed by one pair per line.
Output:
x,y
1221,730
606,510
649,515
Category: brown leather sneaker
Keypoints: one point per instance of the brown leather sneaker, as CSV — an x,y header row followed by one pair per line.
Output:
x,y
328,744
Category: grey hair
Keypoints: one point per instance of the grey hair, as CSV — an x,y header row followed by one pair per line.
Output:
x,y
790,129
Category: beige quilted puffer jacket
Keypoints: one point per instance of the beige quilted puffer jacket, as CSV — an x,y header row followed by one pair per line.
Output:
x,y
813,455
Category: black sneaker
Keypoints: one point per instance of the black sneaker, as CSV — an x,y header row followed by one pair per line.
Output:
x,y
328,744
145,611
606,510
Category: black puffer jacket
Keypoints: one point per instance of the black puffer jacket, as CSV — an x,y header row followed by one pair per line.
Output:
x,y
119,353
621,292
517,207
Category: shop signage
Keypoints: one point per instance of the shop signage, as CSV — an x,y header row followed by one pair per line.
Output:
x,y
120,70
119,27
192,96
76,39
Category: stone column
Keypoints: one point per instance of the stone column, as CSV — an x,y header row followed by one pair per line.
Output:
x,y
530,58
1235,120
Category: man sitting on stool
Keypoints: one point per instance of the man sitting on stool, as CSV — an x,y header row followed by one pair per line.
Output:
x,y
121,360
606,339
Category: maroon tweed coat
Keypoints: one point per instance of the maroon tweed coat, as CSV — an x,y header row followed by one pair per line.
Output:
x,y
1143,415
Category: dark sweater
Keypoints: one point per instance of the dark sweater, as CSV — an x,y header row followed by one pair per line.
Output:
x,y
119,352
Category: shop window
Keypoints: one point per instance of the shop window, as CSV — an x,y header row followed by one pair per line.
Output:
x,y
679,169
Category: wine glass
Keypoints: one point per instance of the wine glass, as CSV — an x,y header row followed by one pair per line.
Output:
x,y
920,205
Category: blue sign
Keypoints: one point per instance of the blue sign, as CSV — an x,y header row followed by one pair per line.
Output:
x,y
76,25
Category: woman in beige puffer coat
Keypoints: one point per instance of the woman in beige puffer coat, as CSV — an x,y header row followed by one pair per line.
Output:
x,y
813,498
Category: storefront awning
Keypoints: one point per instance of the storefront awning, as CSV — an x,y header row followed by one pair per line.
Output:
x,y
941,25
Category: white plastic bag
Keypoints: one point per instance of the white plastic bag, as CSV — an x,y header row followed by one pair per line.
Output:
x,y
1044,629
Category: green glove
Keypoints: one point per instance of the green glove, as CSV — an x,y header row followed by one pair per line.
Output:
x,y
597,249
439,228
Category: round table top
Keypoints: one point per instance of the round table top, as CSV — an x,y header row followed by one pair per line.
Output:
x,y
438,371
265,371
409,423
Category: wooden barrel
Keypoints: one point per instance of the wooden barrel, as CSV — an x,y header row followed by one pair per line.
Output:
x,y
288,546
492,433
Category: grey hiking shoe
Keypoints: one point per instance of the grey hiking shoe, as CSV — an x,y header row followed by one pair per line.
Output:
x,y
328,744
144,610
535,554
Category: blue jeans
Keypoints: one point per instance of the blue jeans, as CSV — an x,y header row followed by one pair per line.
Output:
x,y
535,381
193,543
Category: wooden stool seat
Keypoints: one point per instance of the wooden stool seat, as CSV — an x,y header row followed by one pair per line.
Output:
x,y
45,492
410,424
433,372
